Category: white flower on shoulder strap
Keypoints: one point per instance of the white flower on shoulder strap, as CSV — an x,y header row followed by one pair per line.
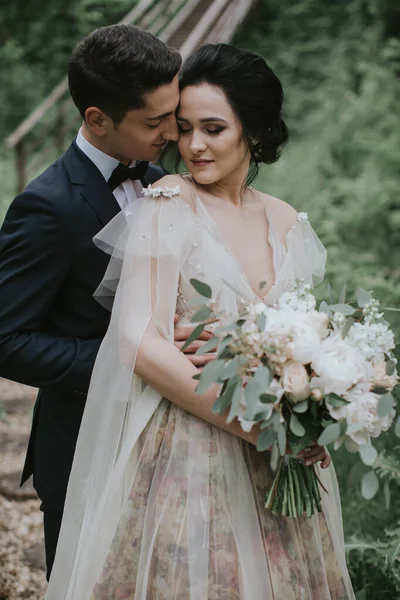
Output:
x,y
161,192
302,216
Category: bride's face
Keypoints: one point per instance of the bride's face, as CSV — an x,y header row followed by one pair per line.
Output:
x,y
211,139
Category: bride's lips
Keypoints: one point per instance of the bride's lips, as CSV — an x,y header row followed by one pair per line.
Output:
x,y
201,162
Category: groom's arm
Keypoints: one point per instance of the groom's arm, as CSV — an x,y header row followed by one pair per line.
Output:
x,y
35,258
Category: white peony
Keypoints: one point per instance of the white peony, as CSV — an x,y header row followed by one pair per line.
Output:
x,y
306,341
338,366
381,378
361,416
294,334
295,381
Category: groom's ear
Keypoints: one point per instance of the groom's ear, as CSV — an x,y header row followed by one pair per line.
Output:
x,y
97,121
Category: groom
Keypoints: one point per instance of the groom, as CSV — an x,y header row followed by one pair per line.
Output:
x,y
124,82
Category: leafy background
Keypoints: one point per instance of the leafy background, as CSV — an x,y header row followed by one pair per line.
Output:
x,y
340,65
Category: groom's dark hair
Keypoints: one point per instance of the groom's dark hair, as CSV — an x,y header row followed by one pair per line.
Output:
x,y
113,67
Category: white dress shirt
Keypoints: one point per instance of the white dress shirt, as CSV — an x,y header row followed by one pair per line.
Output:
x,y
129,190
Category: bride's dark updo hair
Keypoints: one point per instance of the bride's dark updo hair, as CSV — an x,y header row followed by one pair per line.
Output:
x,y
253,91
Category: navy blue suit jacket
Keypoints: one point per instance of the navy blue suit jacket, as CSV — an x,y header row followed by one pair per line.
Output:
x,y
50,325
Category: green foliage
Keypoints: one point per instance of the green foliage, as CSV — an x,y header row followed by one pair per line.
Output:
x,y
340,64
36,45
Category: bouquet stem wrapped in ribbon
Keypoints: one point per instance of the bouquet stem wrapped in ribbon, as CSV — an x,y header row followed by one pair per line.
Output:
x,y
303,376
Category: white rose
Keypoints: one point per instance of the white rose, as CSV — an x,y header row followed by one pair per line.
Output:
x,y
295,381
338,365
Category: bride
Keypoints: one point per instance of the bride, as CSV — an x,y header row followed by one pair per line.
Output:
x,y
166,500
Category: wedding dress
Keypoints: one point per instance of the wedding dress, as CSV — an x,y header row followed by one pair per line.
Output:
x,y
162,505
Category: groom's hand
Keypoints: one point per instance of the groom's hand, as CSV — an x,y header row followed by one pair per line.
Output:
x,y
181,334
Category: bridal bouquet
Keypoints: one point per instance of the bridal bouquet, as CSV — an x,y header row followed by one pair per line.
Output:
x,y
303,375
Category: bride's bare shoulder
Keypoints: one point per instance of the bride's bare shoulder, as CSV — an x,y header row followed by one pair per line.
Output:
x,y
282,213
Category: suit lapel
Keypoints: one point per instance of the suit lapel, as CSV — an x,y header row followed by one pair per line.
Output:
x,y
84,173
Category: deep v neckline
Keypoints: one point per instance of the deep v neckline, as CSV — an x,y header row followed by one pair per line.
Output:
x,y
239,265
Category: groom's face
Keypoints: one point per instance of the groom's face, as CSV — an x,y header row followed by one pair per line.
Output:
x,y
143,132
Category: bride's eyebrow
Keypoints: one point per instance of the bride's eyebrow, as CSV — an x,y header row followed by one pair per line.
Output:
x,y
206,120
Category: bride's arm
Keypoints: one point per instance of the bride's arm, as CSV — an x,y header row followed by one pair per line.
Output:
x,y
166,369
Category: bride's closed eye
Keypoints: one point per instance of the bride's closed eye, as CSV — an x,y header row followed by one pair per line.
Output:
x,y
215,131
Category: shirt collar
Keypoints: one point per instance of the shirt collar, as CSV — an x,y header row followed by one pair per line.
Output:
x,y
105,163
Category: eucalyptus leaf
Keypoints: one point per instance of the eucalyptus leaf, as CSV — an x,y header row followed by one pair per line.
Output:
x,y
271,421
282,439
202,288
209,346
378,389
342,295
210,375
363,297
368,454
267,398
330,293
335,401
385,405
263,377
196,333
348,326
324,308
390,367
296,427
344,309
266,439
225,399
233,412
369,485
202,314
251,392
329,435
300,407
223,344
230,368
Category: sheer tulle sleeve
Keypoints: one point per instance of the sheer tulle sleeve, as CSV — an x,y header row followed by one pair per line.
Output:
x,y
308,254
148,245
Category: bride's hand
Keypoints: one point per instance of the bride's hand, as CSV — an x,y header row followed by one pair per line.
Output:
x,y
181,334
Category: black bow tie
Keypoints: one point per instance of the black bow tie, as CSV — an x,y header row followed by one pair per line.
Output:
x,y
121,173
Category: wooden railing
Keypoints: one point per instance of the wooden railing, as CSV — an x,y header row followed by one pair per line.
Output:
x,y
183,24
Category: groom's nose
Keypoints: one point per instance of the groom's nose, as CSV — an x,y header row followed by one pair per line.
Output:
x,y
171,129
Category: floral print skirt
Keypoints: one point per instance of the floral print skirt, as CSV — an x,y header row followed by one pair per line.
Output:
x,y
194,525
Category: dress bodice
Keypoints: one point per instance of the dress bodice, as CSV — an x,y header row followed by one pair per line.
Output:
x,y
206,258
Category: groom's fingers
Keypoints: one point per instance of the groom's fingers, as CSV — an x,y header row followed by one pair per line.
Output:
x,y
315,454
192,348
200,361
181,334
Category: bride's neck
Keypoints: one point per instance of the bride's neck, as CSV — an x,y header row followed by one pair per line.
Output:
x,y
233,192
